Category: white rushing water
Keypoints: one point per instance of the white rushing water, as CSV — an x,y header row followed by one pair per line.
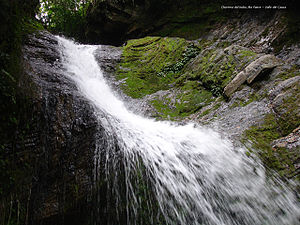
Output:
x,y
195,176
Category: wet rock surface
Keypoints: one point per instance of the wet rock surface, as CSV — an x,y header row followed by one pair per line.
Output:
x,y
62,140
108,57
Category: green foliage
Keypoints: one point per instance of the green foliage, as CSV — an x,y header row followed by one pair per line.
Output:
x,y
190,52
64,16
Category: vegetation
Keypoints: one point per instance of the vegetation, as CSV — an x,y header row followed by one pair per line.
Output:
x,y
189,99
280,123
193,74
218,66
198,72
64,16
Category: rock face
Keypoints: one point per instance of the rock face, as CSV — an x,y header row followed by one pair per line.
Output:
x,y
231,83
113,22
62,141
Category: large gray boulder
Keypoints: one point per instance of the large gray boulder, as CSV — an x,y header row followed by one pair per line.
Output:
x,y
253,70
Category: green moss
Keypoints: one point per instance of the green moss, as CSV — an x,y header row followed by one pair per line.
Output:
x,y
265,133
247,53
190,52
289,110
223,44
215,69
206,112
210,110
190,98
152,63
261,137
236,103
275,127
253,97
248,153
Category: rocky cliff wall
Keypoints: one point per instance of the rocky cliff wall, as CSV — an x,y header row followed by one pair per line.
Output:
x,y
114,22
233,79
62,139
51,158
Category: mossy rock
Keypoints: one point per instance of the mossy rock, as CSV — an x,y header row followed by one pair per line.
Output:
x,y
287,107
261,137
182,102
151,64
197,70
215,66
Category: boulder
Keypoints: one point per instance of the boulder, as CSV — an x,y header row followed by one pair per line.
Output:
x,y
290,141
252,71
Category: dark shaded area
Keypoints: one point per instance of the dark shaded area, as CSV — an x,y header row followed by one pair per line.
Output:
x,y
114,22
45,167
15,166
61,162
292,34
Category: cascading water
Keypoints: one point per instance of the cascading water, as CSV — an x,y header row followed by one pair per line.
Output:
x,y
163,173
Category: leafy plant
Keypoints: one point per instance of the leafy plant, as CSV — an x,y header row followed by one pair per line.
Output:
x,y
190,52
64,16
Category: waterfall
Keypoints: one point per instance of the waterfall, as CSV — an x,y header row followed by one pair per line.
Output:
x,y
162,173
